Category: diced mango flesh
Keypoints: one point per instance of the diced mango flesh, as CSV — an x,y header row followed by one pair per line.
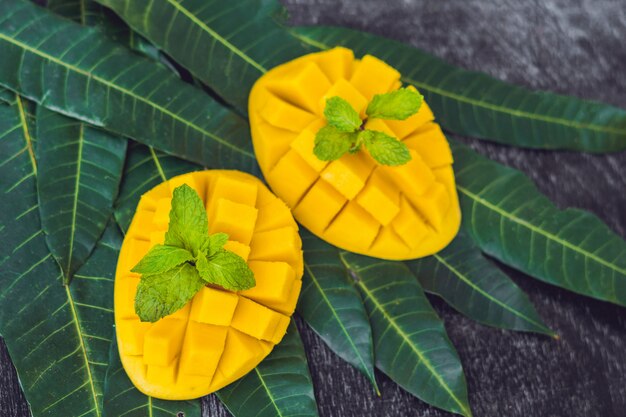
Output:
x,y
348,174
213,306
354,202
303,88
196,350
237,220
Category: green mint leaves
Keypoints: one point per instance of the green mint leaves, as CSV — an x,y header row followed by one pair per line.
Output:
x,y
385,149
344,132
171,274
340,115
331,143
395,105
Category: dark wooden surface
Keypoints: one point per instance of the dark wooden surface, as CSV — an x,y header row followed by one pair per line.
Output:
x,y
575,47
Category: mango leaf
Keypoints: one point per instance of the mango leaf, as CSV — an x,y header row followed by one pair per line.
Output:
x,y
90,13
332,306
279,386
44,59
6,96
512,221
80,168
470,283
227,45
53,332
410,343
144,169
121,398
475,104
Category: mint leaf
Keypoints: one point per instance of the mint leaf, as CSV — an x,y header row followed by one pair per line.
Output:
x,y
395,105
227,270
163,294
162,258
188,226
340,114
386,149
331,144
216,242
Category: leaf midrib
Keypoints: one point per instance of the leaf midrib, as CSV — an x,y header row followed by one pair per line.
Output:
x,y
26,132
535,229
81,131
217,36
343,328
407,340
489,106
269,393
123,91
83,349
479,290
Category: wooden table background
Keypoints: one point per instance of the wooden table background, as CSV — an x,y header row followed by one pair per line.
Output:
x,y
575,47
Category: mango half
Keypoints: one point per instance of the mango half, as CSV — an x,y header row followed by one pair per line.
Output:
x,y
219,336
386,212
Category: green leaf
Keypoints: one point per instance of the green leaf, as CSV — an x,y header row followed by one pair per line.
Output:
x,y
462,276
144,169
395,105
226,45
53,332
340,115
410,342
90,13
165,293
331,144
123,399
385,149
116,89
475,104
280,386
80,169
188,226
6,96
333,308
512,221
162,258
227,270
216,242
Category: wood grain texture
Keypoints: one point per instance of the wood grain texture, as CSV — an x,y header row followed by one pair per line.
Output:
x,y
567,46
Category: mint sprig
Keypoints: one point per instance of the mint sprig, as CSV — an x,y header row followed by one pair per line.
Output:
x,y
345,133
171,274
395,105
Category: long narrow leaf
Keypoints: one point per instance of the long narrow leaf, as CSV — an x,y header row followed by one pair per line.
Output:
x,y
332,306
121,398
410,343
279,386
511,220
90,13
475,104
227,45
80,169
53,332
462,276
44,59
144,169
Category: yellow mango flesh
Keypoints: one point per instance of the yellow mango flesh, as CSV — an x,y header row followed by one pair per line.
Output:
x,y
220,335
403,212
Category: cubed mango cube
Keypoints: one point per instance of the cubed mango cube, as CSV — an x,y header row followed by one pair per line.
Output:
x,y
303,88
213,306
163,341
235,219
202,349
